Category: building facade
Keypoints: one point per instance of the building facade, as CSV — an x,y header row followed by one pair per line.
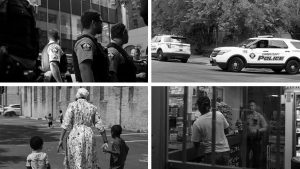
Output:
x,y
138,30
127,106
64,16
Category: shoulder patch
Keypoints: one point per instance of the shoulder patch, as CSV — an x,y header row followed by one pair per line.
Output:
x,y
86,46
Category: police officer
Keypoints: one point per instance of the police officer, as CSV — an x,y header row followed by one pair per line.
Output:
x,y
52,54
122,68
89,58
256,127
19,45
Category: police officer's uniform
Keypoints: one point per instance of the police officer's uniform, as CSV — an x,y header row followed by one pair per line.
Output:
x,y
255,121
19,35
87,48
54,52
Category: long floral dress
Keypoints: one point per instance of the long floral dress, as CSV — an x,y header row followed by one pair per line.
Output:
x,y
81,117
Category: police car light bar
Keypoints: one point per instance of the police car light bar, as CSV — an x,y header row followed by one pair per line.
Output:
x,y
266,36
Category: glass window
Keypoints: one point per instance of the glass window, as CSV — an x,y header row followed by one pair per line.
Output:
x,y
229,126
261,44
277,44
86,5
296,44
76,7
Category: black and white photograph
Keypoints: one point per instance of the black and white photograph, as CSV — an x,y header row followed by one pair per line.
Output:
x,y
231,127
73,41
67,127
225,40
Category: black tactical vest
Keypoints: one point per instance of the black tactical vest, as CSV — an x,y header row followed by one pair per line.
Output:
x,y
18,30
100,64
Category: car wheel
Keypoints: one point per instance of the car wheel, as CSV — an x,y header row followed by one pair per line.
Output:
x,y
184,60
235,64
277,70
292,67
224,68
160,55
10,114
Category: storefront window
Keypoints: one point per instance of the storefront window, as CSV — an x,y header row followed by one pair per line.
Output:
x,y
244,127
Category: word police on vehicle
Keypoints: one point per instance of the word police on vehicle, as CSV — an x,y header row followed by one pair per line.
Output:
x,y
259,52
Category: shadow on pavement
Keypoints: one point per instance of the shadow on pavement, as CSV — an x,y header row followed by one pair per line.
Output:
x,y
9,159
17,134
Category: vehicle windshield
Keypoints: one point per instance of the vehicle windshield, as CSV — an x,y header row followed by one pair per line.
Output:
x,y
247,43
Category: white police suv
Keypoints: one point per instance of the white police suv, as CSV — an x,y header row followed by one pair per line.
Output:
x,y
260,52
166,47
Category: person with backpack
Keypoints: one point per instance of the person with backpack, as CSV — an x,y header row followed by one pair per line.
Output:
x,y
51,57
19,42
122,68
89,57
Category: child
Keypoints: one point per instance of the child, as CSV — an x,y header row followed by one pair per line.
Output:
x,y
119,149
50,119
61,116
37,159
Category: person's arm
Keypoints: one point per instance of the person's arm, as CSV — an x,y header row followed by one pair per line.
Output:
x,y
100,126
61,138
114,61
86,71
264,124
67,123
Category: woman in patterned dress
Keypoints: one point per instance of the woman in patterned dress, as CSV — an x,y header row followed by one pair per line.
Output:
x,y
81,117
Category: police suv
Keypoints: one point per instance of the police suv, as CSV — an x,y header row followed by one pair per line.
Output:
x,y
260,52
166,47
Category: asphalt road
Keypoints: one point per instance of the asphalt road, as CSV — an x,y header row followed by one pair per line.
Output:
x,y
198,69
16,132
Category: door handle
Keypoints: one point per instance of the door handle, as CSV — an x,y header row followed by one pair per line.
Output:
x,y
287,51
265,51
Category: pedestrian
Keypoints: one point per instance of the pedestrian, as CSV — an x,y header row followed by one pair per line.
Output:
x,y
37,159
119,149
202,133
122,68
256,127
89,58
51,56
81,118
61,116
19,43
140,64
50,120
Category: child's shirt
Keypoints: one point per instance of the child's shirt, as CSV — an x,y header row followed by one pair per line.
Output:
x,y
50,118
37,160
119,147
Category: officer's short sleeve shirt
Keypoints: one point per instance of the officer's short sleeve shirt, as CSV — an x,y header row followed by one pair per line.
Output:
x,y
115,59
84,49
54,53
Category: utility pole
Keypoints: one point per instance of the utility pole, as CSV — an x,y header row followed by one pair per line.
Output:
x,y
121,97
123,4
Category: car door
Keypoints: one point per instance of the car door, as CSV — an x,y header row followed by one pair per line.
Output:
x,y
268,52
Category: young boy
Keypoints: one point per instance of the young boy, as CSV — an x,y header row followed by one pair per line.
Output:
x,y
119,149
61,116
37,159
50,120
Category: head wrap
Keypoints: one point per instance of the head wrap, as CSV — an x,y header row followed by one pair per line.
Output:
x,y
82,93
